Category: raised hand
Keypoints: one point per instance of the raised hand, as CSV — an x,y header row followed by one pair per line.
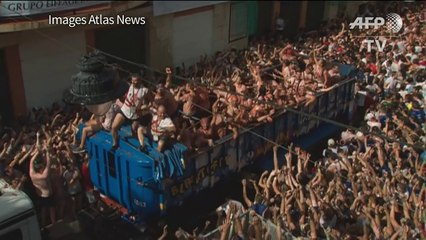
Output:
x,y
244,182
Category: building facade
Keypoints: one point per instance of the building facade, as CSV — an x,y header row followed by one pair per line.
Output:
x,y
37,58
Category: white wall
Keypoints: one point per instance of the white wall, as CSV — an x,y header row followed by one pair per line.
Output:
x,y
192,37
167,7
47,65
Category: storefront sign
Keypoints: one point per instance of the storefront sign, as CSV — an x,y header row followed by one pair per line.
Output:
x,y
26,8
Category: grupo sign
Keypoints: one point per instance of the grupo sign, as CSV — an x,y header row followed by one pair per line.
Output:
x,y
25,8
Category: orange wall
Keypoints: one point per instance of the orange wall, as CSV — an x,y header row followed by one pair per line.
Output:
x,y
16,84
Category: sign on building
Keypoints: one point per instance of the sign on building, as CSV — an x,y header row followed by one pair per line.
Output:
x,y
26,8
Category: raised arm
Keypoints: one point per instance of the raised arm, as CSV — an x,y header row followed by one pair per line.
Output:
x,y
46,170
275,187
225,229
168,78
32,172
3,152
164,234
340,33
276,165
245,197
27,154
256,188
261,184
299,160
288,160
55,119
18,140
394,223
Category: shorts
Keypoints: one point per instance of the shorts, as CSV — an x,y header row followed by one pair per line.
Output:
x,y
127,120
145,120
47,201
164,138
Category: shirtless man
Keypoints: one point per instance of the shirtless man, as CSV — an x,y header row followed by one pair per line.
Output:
x,y
240,87
166,98
221,123
204,134
186,95
40,176
243,113
232,109
195,100
259,112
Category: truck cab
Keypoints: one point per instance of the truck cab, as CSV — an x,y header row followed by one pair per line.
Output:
x,y
18,220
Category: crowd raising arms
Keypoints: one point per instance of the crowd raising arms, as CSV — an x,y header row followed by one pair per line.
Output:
x,y
347,188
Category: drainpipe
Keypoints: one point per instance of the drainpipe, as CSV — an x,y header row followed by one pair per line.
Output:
x,y
276,9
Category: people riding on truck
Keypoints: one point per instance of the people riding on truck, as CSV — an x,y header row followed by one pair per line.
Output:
x,y
162,128
130,109
95,124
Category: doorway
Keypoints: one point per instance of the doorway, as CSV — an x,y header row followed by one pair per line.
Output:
x,y
314,16
290,11
6,107
126,42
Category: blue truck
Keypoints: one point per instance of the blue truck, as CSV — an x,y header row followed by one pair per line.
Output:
x,y
143,186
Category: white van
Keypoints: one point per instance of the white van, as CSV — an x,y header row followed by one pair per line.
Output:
x,y
18,220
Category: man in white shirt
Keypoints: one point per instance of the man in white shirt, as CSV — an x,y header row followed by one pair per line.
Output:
x,y
162,127
130,108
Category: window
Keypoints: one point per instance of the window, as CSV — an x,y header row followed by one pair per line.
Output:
x,y
111,165
12,235
238,21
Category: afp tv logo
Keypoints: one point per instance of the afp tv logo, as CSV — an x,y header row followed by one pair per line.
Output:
x,y
393,25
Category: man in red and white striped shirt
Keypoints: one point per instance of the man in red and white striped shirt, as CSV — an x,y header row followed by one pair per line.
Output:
x,y
162,127
130,109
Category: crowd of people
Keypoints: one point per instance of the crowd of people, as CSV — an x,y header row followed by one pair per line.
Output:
x,y
365,185
37,158
369,184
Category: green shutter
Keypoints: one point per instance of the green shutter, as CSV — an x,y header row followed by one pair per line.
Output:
x,y
252,17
